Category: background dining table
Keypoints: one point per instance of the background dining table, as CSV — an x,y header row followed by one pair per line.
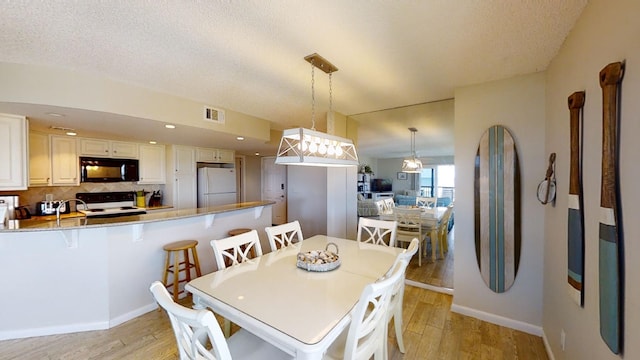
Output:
x,y
301,312
430,219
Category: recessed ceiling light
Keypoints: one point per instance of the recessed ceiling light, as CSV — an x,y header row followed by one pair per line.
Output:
x,y
55,114
169,126
257,154
152,142
71,133
240,138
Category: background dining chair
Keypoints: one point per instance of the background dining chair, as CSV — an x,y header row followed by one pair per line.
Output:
x,y
388,205
365,336
378,232
397,296
409,227
283,235
193,328
236,249
428,202
443,231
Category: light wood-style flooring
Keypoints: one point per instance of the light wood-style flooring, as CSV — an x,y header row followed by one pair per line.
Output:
x,y
437,273
431,331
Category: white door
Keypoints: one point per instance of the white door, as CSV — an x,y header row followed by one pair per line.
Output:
x,y
274,188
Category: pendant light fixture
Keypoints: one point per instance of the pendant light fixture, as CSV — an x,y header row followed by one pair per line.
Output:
x,y
301,146
412,165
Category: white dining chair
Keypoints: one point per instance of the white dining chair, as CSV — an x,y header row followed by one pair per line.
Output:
x,y
397,297
236,249
365,336
284,235
192,329
378,232
409,227
428,202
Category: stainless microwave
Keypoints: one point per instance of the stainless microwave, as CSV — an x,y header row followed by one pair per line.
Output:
x,y
108,170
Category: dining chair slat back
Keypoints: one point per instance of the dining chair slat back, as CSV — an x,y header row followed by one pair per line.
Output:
x,y
409,227
284,235
236,249
397,296
198,334
366,333
428,202
377,232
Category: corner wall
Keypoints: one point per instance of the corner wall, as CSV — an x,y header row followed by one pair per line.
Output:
x,y
606,32
518,104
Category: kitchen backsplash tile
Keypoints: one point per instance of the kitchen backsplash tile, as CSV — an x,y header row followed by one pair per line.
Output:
x,y
32,195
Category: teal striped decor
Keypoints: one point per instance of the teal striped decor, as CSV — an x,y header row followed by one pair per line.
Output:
x,y
497,209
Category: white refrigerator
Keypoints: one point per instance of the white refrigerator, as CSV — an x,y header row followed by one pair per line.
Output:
x,y
216,186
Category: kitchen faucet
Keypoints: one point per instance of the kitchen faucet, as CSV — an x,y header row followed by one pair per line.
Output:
x,y
64,202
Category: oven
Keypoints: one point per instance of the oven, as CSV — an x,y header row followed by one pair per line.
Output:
x,y
109,204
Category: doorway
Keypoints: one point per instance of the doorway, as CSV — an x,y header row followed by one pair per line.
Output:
x,y
274,188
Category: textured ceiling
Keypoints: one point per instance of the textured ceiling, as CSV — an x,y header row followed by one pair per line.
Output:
x,y
247,56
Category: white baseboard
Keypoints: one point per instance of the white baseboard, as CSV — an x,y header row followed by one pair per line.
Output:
x,y
429,287
132,314
547,346
73,328
498,320
53,330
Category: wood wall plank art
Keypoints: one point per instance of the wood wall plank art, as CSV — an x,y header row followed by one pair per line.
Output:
x,y
576,214
610,244
497,208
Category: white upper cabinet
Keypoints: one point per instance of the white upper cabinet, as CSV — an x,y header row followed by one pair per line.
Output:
x,y
106,148
39,159
215,155
152,164
64,161
13,152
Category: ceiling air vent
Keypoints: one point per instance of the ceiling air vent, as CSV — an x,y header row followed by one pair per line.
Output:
x,y
214,115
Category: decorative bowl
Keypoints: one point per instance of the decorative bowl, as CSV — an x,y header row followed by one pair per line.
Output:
x,y
319,260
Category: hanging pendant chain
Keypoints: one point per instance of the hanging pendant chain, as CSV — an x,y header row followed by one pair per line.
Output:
x,y
313,99
330,94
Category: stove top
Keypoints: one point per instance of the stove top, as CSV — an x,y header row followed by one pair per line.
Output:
x,y
109,204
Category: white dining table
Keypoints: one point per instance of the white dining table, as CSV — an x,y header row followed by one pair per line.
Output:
x,y
299,311
430,219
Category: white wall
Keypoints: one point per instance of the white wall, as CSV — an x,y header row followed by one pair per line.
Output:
x,y
607,31
517,104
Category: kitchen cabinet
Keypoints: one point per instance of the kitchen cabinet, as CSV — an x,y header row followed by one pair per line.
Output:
x,y
181,189
13,152
39,159
64,161
215,155
107,148
152,164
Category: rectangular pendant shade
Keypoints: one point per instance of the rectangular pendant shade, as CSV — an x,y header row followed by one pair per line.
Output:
x,y
412,165
302,146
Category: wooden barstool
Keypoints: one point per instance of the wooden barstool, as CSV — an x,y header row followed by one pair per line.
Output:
x,y
176,266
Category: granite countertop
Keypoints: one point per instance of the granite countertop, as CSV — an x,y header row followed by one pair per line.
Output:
x,y
74,222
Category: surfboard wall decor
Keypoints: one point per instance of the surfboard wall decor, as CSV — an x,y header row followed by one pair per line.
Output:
x,y
497,208
610,244
575,249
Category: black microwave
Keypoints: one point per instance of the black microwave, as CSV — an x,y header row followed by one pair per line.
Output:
x,y
108,170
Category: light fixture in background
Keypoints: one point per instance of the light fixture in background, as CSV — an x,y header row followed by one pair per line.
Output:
x,y
153,142
413,164
240,138
68,131
54,114
300,146
170,126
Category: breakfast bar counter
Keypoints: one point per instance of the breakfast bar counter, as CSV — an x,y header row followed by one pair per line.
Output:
x,y
79,221
76,277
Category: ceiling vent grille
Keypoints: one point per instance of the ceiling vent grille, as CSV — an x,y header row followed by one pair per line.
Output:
x,y
214,115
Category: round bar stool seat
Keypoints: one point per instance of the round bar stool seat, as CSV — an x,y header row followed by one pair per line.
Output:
x,y
173,264
234,232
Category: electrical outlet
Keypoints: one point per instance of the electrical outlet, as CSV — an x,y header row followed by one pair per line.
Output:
x,y
563,337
